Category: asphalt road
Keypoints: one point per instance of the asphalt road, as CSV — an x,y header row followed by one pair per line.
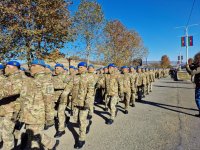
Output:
x,y
164,120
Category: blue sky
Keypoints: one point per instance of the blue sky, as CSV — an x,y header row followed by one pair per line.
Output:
x,y
155,21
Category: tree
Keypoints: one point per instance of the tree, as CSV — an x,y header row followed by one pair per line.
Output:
x,y
120,43
54,55
87,22
35,27
165,62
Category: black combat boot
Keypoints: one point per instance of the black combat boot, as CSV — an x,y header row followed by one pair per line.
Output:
x,y
59,134
198,115
79,144
46,127
126,112
109,121
89,117
106,109
1,144
132,105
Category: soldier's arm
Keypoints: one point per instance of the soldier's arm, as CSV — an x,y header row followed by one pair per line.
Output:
x,y
120,85
90,92
7,89
100,82
67,90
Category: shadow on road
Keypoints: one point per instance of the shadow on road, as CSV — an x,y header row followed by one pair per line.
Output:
x,y
181,82
165,106
71,126
100,114
172,87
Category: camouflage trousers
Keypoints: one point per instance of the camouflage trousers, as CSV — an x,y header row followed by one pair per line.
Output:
x,y
112,100
126,99
36,137
61,116
91,106
49,113
150,87
147,88
6,132
132,100
82,116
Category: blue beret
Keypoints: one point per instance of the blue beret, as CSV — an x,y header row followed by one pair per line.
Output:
x,y
38,62
1,67
22,69
111,65
82,64
76,68
66,69
124,67
59,65
48,66
91,66
13,63
71,67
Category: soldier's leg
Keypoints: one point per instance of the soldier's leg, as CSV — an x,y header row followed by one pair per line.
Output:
x,y
113,103
83,124
132,100
1,128
91,106
49,113
127,100
38,137
144,90
106,102
61,116
148,88
75,114
7,133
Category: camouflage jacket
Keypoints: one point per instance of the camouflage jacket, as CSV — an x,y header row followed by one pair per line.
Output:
x,y
9,105
59,85
82,89
113,85
34,93
127,82
141,79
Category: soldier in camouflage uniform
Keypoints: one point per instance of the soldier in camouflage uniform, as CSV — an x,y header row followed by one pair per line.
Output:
x,y
140,82
113,86
82,89
127,83
59,84
10,107
91,102
151,79
144,83
2,77
33,105
134,89
147,81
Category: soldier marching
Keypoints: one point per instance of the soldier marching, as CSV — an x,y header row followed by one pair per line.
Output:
x,y
39,101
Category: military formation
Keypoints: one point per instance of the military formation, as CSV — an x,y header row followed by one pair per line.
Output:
x,y
36,99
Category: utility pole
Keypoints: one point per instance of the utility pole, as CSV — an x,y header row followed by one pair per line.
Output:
x,y
186,35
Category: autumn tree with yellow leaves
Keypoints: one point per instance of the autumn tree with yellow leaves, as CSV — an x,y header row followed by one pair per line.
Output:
x,y
33,27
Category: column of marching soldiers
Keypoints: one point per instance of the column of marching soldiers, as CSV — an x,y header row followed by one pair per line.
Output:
x,y
37,99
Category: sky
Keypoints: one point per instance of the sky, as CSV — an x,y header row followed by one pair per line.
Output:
x,y
156,22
